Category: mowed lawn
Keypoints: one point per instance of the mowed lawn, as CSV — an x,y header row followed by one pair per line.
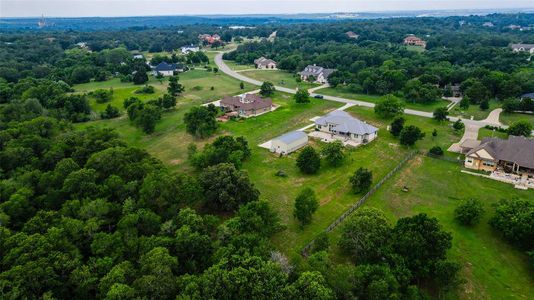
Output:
x,y
493,269
198,85
278,78
474,111
238,67
344,92
510,118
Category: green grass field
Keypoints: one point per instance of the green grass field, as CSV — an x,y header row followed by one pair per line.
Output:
x,y
474,111
238,67
415,48
484,132
279,78
197,85
509,118
492,268
344,92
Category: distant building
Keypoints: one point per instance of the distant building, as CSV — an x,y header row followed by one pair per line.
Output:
x,y
247,105
189,49
264,63
352,35
513,27
523,48
319,74
289,142
412,40
167,69
528,95
210,39
82,45
488,24
138,56
342,126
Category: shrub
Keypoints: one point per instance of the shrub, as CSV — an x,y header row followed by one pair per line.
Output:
x,y
469,212
305,206
147,89
410,134
361,180
308,161
436,150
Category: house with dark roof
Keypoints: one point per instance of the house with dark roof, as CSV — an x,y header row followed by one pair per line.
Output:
x,y
342,126
289,142
514,155
316,74
528,95
247,105
523,48
265,63
167,69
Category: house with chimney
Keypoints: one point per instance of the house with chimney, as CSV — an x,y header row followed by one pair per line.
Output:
x,y
246,105
316,74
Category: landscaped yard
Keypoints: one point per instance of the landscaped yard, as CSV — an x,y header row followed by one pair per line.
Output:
x,y
344,92
492,268
278,78
474,111
484,132
509,118
238,67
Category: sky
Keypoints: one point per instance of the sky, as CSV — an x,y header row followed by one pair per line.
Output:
x,y
108,8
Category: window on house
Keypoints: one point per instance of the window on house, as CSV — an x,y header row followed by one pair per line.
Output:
x,y
488,164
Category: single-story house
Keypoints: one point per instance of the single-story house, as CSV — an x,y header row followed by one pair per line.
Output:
x,y
138,56
487,24
320,74
210,39
352,35
189,49
289,142
514,155
344,126
468,145
412,40
247,105
167,69
265,63
523,48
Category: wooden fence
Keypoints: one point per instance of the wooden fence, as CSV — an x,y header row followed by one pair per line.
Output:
x,y
306,249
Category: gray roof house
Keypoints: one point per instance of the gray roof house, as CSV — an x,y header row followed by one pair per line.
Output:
x,y
265,63
319,73
528,95
289,142
341,125
516,154
167,69
523,48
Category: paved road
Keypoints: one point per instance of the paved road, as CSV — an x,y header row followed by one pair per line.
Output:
x,y
225,69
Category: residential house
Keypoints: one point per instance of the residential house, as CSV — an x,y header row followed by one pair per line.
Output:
x,y
528,95
352,35
316,74
189,49
412,40
289,142
341,125
523,48
167,69
138,56
247,105
265,63
514,155
487,24
210,39
456,91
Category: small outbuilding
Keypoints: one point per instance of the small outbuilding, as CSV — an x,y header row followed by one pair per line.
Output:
x,y
289,142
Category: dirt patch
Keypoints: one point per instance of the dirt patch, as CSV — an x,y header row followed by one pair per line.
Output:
x,y
176,161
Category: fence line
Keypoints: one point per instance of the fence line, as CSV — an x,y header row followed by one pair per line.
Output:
x,y
352,208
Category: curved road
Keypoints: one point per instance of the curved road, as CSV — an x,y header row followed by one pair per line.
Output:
x,y
472,123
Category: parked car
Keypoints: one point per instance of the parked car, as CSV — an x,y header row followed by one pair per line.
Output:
x,y
318,96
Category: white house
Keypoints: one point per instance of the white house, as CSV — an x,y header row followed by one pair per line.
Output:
x,y
319,74
189,49
289,142
342,126
265,63
138,56
523,48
